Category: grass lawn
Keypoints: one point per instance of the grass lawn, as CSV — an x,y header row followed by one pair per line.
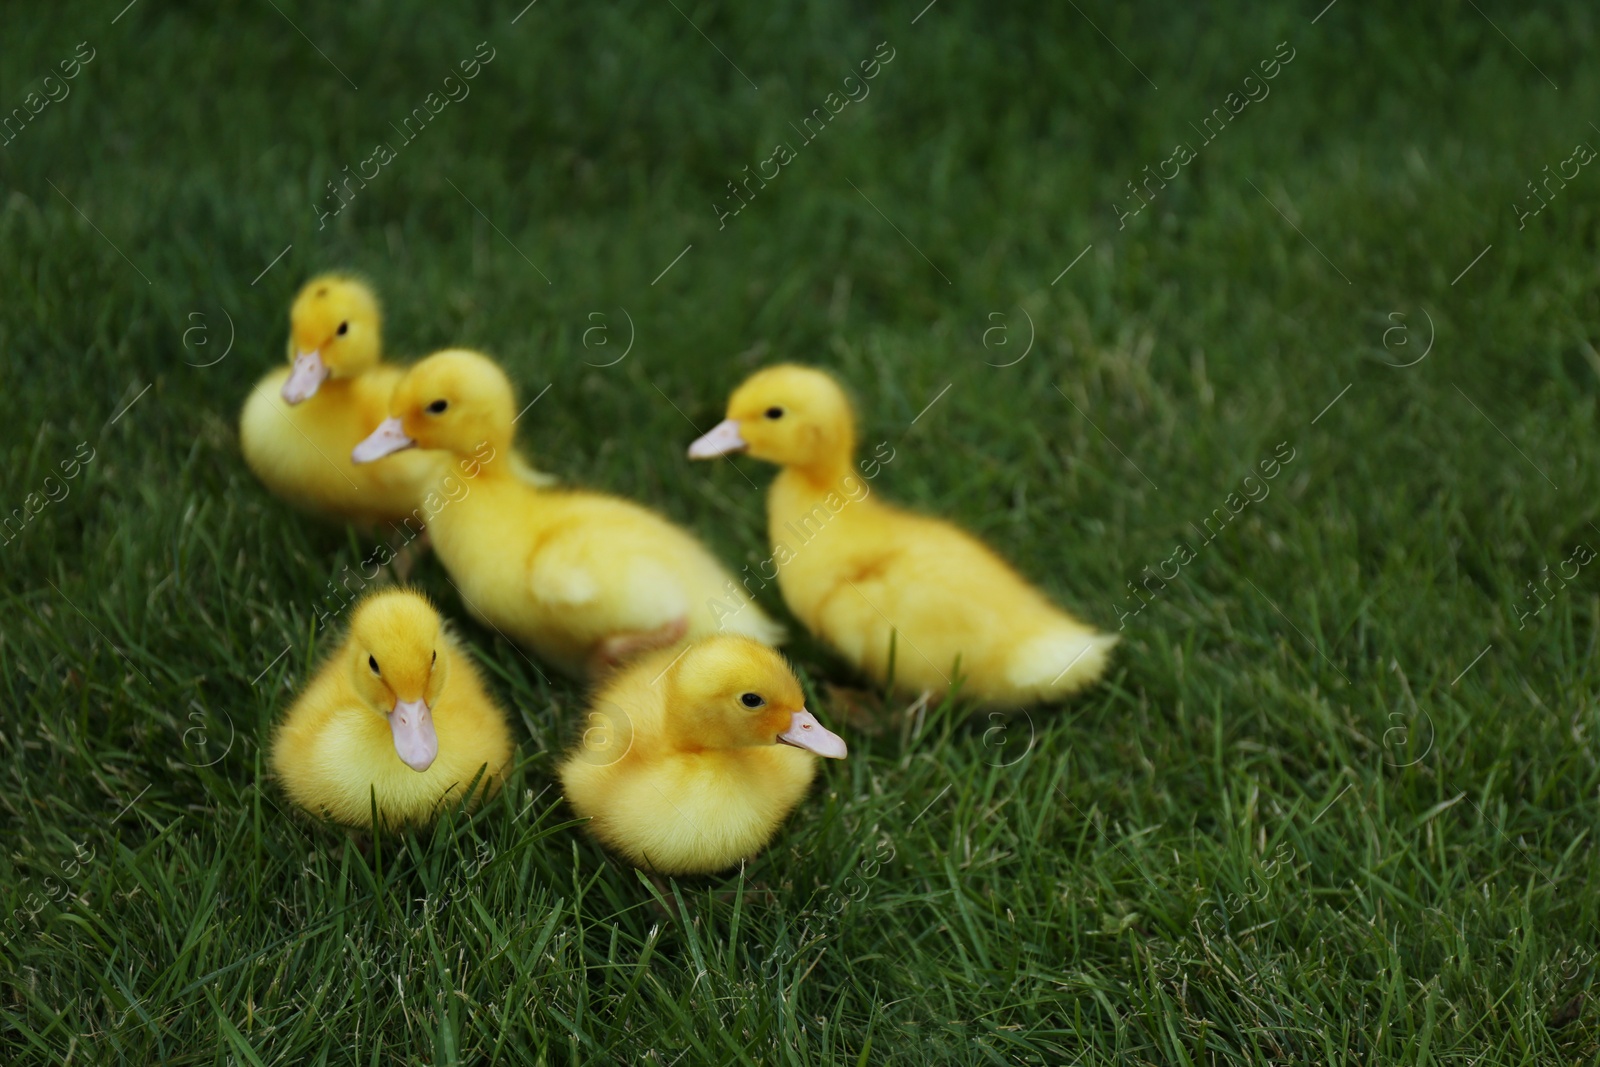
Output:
x,y
1334,803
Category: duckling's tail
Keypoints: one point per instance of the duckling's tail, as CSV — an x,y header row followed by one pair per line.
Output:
x,y
531,474
750,621
1059,662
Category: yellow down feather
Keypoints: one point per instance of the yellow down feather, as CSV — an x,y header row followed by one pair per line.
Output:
x,y
338,747
688,765
866,576
585,579
301,451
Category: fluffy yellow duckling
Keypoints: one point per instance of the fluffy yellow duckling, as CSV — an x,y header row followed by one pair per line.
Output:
x,y
301,421
584,579
855,570
399,713
690,764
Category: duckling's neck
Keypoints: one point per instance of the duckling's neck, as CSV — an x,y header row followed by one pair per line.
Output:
x,y
490,460
682,738
819,478
332,392
801,486
349,375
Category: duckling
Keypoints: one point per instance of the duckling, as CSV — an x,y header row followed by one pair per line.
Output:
x,y
584,579
690,764
869,578
298,426
398,714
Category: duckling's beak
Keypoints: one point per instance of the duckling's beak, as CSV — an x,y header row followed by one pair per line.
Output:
x,y
387,438
309,372
806,732
723,438
411,722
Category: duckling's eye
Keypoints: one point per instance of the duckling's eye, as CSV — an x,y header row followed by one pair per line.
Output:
x,y
435,658
752,700
372,661
438,406
774,413
344,328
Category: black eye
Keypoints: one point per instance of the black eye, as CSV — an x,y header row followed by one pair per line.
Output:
x,y
435,658
344,328
438,406
372,661
774,413
752,700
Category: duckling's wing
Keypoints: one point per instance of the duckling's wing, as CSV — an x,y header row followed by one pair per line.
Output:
x,y
628,585
557,577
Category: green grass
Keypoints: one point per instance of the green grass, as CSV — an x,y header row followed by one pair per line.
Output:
x,y
1336,801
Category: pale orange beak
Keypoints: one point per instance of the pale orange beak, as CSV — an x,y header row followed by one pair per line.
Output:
x,y
386,439
307,376
806,732
411,722
723,438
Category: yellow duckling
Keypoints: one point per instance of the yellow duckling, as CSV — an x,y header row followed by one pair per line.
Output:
x,y
690,764
399,714
856,570
301,421
584,579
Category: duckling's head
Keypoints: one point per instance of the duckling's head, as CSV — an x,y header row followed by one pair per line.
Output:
x,y
789,415
455,400
334,331
731,692
398,661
